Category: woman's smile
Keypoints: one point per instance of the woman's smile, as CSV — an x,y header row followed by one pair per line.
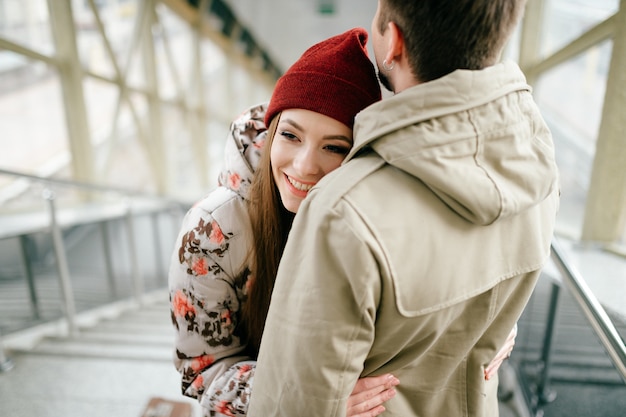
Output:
x,y
299,187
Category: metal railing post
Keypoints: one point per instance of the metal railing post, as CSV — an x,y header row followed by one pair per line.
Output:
x,y
158,251
544,393
108,262
134,260
30,278
62,268
6,364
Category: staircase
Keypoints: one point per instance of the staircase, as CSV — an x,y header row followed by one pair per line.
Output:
x,y
583,381
120,358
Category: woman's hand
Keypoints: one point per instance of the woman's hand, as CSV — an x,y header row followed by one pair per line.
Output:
x,y
369,394
504,353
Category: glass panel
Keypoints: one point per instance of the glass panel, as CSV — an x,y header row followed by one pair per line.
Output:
x,y
571,98
26,22
92,51
566,20
118,19
185,178
242,87
217,133
136,75
127,164
178,37
101,100
214,73
32,121
228,91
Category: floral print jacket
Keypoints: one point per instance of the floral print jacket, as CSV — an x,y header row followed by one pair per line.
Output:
x,y
208,276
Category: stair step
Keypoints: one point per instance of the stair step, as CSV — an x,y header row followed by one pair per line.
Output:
x,y
95,336
149,316
577,373
105,350
132,327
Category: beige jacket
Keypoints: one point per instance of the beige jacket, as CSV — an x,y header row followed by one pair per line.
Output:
x,y
417,256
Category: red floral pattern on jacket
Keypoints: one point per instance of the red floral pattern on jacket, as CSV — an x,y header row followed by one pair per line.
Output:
x,y
208,276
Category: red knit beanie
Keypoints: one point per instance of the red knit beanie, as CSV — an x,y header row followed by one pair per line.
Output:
x,y
334,77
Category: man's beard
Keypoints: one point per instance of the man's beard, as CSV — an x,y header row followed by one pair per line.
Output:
x,y
384,80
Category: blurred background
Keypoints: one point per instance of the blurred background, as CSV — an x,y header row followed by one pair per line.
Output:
x,y
113,116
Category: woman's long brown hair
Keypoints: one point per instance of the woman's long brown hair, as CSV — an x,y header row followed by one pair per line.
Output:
x,y
271,223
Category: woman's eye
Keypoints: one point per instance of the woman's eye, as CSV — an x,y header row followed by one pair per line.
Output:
x,y
341,150
288,135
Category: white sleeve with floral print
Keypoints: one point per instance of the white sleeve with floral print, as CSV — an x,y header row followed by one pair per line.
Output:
x,y
207,281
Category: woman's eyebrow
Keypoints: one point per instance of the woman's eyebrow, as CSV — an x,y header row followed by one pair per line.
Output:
x,y
338,137
291,122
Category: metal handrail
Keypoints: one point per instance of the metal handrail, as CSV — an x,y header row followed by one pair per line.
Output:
x,y
593,310
53,226
92,187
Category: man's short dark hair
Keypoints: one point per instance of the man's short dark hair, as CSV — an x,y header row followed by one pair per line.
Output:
x,y
444,35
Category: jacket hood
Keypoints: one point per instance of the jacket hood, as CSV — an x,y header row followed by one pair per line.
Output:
x,y
242,150
475,138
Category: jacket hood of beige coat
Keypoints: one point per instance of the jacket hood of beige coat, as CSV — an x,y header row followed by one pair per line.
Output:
x,y
482,173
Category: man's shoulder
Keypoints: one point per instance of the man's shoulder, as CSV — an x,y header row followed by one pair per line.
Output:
x,y
334,186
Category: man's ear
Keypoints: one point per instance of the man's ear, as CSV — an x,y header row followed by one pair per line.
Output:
x,y
395,43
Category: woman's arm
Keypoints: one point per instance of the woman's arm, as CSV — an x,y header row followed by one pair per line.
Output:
x,y
207,287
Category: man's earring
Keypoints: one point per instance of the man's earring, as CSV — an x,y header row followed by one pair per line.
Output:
x,y
388,67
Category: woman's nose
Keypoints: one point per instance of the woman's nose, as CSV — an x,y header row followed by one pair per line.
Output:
x,y
307,163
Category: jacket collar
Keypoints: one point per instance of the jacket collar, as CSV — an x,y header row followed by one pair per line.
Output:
x,y
455,92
